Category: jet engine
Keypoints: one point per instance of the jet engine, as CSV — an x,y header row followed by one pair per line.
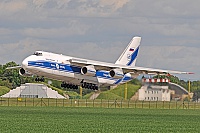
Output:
x,y
116,73
23,72
88,70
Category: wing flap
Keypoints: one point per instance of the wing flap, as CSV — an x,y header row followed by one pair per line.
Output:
x,y
151,71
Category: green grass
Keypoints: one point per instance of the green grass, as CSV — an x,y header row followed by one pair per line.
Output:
x,y
59,119
73,94
131,89
118,92
87,96
3,90
108,95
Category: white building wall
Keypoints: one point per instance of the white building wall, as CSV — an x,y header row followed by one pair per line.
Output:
x,y
142,93
154,94
166,95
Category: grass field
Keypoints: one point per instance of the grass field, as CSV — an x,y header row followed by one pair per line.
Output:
x,y
118,92
108,120
4,90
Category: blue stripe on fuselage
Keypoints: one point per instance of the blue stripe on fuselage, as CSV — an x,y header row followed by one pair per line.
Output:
x,y
74,69
55,66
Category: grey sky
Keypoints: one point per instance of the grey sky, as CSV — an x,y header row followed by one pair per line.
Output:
x,y
101,29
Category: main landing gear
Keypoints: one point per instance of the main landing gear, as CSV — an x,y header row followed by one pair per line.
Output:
x,y
83,85
89,86
70,86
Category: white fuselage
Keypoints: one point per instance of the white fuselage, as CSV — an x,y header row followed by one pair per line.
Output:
x,y
59,67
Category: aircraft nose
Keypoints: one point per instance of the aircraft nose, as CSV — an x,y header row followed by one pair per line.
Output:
x,y
25,63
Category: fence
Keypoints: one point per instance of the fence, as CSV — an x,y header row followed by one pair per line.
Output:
x,y
97,103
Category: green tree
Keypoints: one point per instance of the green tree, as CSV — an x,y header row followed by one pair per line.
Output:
x,y
196,95
10,77
135,81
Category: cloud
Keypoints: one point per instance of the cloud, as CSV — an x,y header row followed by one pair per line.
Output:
x,y
113,4
85,8
19,50
96,52
12,6
39,3
71,28
5,31
180,58
165,9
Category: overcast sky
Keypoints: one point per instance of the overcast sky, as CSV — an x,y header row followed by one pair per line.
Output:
x,y
101,29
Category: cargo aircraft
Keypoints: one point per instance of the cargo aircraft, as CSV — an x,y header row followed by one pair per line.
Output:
x,y
74,72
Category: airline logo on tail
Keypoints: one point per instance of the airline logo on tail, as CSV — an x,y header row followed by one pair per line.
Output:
x,y
131,49
132,57
129,56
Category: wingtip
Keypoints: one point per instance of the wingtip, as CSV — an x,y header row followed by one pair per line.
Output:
x,y
15,67
190,73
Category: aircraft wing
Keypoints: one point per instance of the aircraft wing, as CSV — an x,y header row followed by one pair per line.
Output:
x,y
126,69
98,65
15,67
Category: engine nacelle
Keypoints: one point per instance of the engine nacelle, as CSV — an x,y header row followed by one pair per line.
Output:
x,y
23,72
116,73
88,70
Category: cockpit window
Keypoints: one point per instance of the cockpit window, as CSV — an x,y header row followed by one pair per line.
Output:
x,y
37,54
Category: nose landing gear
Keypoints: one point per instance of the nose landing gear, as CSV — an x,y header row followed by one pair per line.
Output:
x,y
38,79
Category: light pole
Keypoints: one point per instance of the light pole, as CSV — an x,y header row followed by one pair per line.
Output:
x,y
125,91
188,89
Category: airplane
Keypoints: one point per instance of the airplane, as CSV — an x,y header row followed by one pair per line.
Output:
x,y
75,72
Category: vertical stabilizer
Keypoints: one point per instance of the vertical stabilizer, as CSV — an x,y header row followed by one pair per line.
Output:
x,y
129,56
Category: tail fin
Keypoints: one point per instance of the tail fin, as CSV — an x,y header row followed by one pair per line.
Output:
x,y
129,56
